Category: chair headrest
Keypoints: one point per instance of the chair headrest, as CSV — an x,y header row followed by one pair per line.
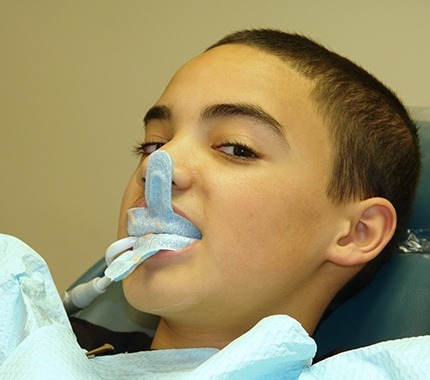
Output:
x,y
420,217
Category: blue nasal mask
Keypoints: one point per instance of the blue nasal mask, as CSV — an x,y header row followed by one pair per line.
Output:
x,y
155,227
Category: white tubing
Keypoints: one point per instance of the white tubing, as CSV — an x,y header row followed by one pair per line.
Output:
x,y
83,295
118,247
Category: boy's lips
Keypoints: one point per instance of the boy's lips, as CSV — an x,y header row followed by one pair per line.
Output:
x,y
169,255
166,246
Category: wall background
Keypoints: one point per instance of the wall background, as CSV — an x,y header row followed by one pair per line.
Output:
x,y
77,77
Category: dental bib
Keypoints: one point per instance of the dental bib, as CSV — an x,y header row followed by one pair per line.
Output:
x,y
155,227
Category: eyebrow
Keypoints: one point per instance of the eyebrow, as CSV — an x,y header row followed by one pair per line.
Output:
x,y
157,113
252,111
223,110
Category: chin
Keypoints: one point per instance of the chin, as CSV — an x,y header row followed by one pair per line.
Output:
x,y
156,297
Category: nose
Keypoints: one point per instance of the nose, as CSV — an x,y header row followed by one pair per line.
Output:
x,y
181,175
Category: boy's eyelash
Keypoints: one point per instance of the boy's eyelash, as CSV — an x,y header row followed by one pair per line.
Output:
x,y
136,149
139,148
240,145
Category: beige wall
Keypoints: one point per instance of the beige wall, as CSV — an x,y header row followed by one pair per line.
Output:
x,y
77,76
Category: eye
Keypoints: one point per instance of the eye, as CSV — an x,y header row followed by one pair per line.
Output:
x,y
238,151
146,148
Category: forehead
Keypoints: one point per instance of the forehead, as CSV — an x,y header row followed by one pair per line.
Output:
x,y
246,75
241,74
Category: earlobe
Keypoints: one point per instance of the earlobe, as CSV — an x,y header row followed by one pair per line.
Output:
x,y
370,226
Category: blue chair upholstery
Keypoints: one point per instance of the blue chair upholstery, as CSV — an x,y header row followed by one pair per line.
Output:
x,y
395,305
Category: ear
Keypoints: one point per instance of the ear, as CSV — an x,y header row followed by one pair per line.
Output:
x,y
369,227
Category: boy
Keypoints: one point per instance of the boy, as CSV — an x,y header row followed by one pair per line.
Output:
x,y
289,159
299,170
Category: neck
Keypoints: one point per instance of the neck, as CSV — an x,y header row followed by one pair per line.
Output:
x,y
174,335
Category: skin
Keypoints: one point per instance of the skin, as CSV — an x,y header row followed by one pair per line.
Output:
x,y
272,241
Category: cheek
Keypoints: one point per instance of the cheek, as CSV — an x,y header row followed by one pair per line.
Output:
x,y
257,225
243,219
132,193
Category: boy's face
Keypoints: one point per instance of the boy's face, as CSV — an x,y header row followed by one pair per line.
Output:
x,y
252,176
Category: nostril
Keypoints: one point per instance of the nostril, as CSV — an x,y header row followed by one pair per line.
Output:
x,y
141,180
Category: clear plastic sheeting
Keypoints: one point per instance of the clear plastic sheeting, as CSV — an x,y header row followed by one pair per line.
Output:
x,y
417,241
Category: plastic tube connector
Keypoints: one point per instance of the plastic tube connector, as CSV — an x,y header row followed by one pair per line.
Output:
x,y
83,295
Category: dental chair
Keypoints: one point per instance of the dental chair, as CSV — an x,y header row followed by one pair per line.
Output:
x,y
396,304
